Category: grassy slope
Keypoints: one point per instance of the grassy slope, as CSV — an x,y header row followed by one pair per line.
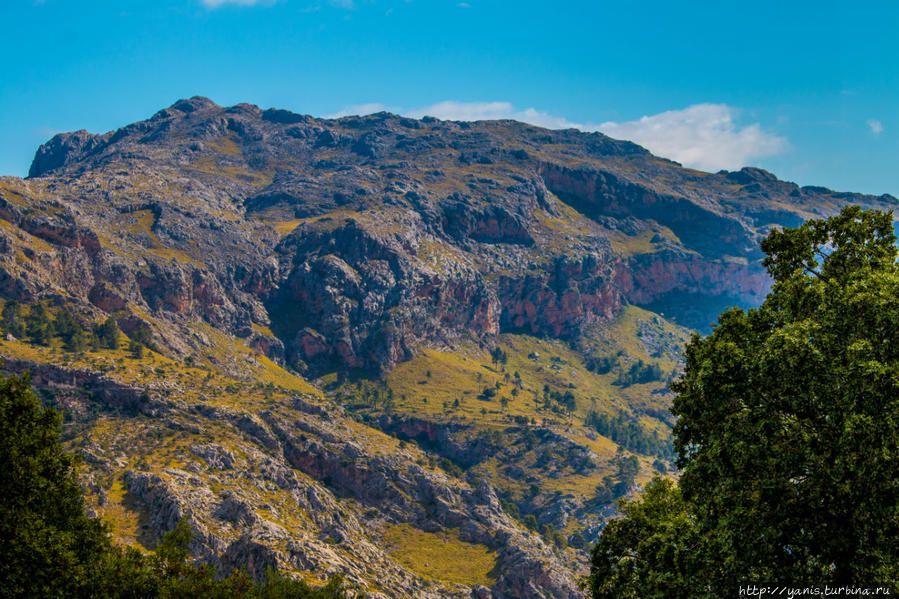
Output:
x,y
444,376
441,556
235,377
429,385
139,443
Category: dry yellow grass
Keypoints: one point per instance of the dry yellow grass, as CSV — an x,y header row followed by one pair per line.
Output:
x,y
441,556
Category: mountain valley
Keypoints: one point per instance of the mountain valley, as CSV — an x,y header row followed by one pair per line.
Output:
x,y
428,355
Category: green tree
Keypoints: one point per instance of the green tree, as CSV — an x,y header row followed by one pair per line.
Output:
x,y
498,356
141,334
38,326
76,341
65,325
108,334
48,546
577,541
167,574
12,319
651,552
788,429
605,491
628,468
136,349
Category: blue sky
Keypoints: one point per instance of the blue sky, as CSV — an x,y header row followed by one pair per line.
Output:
x,y
808,90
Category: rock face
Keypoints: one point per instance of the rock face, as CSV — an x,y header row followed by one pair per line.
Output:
x,y
351,246
337,491
395,232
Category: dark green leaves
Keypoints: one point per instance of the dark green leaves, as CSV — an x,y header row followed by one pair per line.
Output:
x,y
788,429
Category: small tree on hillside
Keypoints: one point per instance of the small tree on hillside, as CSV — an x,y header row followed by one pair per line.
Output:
x,y
12,319
38,325
107,334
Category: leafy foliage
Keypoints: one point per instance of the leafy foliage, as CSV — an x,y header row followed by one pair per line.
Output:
x,y
652,552
13,322
788,432
608,490
107,334
41,327
141,334
167,574
499,356
640,372
49,547
602,364
136,349
38,326
564,400
628,433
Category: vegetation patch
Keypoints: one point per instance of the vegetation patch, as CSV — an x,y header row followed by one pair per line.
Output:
x,y
441,556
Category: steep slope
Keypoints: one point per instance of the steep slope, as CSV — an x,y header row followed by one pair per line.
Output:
x,y
486,316
423,229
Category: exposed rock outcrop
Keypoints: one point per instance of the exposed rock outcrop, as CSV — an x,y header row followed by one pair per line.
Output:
x,y
349,246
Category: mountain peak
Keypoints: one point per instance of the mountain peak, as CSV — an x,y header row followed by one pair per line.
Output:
x,y
243,249
193,104
59,149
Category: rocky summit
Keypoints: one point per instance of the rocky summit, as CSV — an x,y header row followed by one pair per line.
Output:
x,y
428,355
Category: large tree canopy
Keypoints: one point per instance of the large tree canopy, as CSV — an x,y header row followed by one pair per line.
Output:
x,y
787,432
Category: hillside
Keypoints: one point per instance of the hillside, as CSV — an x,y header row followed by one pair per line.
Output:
x,y
427,354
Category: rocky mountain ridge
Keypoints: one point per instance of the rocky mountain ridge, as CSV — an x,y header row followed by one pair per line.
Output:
x,y
370,337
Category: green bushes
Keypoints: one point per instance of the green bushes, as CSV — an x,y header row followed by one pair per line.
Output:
x,y
50,548
640,372
602,364
167,574
450,467
13,322
628,433
107,334
38,325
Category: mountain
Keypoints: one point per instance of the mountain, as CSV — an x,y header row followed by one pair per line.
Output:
x,y
376,345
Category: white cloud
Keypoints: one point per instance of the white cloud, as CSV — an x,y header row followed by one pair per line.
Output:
x,y
875,126
360,109
704,136
450,110
479,111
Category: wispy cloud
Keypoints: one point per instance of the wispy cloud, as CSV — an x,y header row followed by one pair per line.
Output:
x,y
875,126
704,136
479,111
450,110
360,109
